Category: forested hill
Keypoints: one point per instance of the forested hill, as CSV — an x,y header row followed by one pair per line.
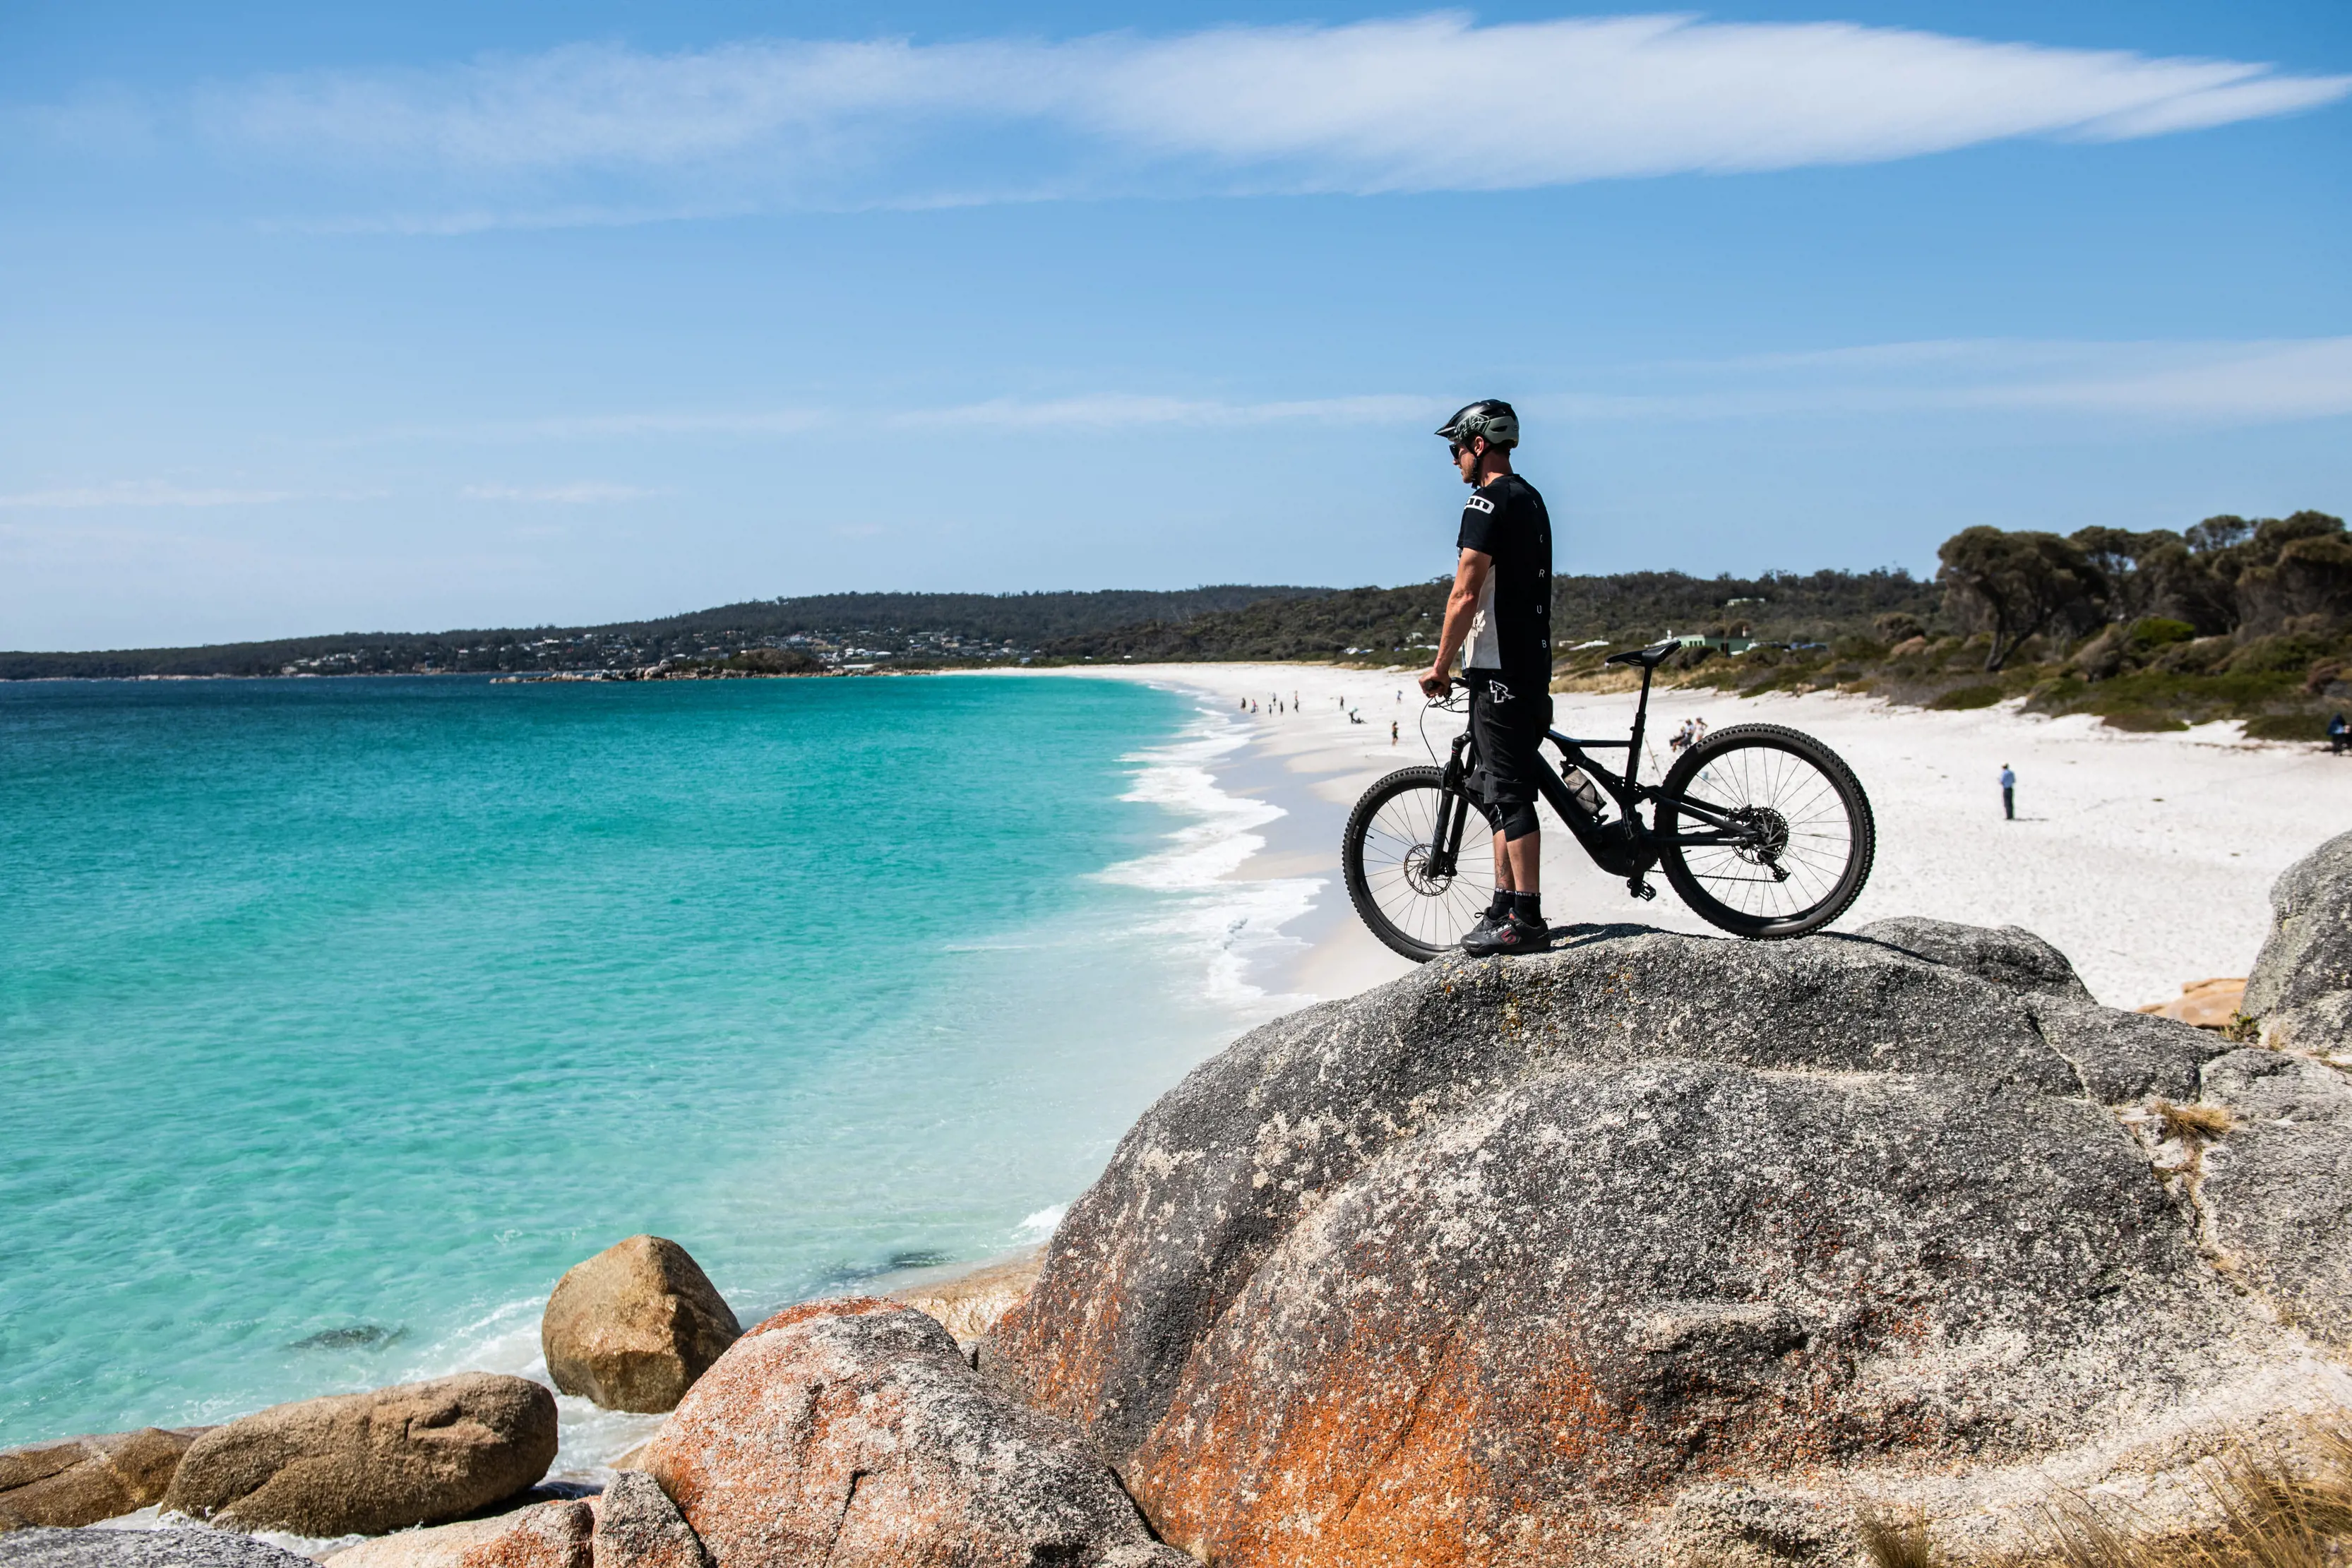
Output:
x,y
1632,607
839,627
915,630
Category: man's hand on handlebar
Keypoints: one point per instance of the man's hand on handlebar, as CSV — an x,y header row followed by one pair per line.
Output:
x,y
1436,682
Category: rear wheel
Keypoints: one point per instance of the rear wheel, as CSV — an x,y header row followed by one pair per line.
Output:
x,y
1800,835
1398,881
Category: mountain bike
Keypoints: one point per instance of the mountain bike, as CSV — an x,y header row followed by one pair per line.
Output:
x,y
1763,831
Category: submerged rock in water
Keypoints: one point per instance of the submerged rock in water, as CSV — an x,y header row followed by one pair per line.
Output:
x,y
142,1549
80,1480
362,1464
356,1336
633,1326
1611,1256
2302,983
852,1434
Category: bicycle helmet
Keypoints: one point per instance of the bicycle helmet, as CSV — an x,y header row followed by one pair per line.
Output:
x,y
1490,417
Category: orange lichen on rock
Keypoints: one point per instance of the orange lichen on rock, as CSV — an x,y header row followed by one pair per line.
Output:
x,y
853,1433
1526,1263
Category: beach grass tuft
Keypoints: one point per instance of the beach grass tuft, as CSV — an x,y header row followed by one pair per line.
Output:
x,y
2193,1123
1895,1540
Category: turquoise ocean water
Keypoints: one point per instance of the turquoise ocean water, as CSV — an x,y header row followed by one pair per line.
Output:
x,y
339,1018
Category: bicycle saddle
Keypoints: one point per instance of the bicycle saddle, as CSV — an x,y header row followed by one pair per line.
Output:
x,y
1651,657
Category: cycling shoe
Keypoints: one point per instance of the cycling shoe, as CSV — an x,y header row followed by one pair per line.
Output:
x,y
1507,935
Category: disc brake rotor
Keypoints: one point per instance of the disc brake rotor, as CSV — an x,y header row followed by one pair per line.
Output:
x,y
1768,838
1417,873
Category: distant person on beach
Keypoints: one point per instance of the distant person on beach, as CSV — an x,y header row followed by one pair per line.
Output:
x,y
1498,618
1698,731
2008,793
1393,732
2339,734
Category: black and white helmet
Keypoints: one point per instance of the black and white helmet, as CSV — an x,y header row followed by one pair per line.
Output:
x,y
1490,417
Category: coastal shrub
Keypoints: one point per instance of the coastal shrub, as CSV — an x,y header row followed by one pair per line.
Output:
x,y
2286,727
2276,654
2195,658
2153,631
2323,673
2056,693
2143,721
1963,698
1898,626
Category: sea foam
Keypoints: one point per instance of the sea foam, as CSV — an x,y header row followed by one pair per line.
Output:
x,y
1231,924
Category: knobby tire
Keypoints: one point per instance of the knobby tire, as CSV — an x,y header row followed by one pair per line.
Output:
x,y
1374,850
1834,839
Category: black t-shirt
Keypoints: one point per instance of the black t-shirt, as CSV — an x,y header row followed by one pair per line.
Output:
x,y
1511,634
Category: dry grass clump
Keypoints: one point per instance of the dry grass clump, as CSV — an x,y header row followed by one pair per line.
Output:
x,y
1895,1540
2273,1515
2193,1123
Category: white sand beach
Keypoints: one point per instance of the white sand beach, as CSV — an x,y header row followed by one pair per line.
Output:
x,y
2146,859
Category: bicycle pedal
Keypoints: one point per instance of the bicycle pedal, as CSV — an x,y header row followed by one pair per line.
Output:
x,y
1640,887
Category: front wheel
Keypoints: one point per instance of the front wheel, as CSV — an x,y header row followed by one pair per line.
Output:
x,y
1420,863
1765,831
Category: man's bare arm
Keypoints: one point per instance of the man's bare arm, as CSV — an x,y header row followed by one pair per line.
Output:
x,y
1461,605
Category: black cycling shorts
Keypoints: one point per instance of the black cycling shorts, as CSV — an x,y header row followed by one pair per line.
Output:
x,y
1507,724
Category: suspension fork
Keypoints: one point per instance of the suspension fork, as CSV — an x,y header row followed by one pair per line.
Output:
x,y
1453,814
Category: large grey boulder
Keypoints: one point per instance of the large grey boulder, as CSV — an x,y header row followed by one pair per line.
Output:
x,y
2277,1187
362,1464
633,1326
854,1434
1552,1259
142,1549
80,1480
2302,983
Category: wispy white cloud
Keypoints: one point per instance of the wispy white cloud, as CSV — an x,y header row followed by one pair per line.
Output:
x,y
1430,102
138,492
1116,410
2211,382
2248,381
584,492
1102,412
2206,382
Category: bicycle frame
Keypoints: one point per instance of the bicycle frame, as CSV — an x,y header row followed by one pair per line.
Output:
x,y
1627,853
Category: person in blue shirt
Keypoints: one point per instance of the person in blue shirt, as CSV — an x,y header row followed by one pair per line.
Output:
x,y
2008,793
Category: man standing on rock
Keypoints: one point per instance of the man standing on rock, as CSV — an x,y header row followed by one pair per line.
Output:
x,y
1498,618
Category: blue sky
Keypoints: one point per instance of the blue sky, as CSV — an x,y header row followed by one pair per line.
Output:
x,y
327,318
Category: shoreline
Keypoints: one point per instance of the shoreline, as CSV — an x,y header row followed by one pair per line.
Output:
x,y
2146,858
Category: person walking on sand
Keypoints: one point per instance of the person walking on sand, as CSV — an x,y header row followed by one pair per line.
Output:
x,y
2008,793
1498,618
1393,732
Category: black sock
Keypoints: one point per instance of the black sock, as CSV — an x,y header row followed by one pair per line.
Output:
x,y
1528,907
1501,902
